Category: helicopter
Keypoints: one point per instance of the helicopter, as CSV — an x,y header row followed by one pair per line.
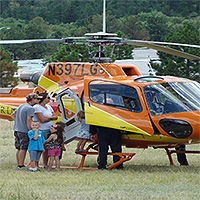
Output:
x,y
163,111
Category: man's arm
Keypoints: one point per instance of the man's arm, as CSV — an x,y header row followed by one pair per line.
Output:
x,y
44,119
54,116
28,123
13,115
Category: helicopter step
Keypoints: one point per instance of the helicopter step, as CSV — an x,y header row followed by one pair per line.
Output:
x,y
170,152
123,158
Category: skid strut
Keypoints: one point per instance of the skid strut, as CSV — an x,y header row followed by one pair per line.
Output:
x,y
170,152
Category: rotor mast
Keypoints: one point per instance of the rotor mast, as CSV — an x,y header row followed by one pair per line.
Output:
x,y
104,26
104,16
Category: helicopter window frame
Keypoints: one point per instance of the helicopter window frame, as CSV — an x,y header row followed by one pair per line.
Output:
x,y
70,112
101,93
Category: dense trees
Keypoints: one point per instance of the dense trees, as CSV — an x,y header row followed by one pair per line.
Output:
x,y
66,11
7,70
186,32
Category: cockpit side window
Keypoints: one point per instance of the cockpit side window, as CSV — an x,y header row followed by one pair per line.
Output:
x,y
115,95
172,97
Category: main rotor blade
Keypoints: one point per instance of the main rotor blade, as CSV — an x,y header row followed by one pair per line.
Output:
x,y
164,49
31,41
175,44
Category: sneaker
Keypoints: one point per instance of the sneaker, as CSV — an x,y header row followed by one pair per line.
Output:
x,y
21,168
33,169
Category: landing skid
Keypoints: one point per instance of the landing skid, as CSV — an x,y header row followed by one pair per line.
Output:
x,y
170,152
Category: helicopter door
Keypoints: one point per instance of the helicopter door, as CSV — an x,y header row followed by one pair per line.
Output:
x,y
69,104
115,105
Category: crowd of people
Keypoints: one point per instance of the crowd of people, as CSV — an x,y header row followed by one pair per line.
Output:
x,y
36,132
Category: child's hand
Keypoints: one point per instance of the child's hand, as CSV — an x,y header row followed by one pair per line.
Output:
x,y
93,138
63,148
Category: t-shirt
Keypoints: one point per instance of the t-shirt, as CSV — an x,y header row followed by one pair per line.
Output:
x,y
36,144
46,112
22,112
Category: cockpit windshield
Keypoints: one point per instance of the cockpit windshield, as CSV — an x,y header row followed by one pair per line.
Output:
x,y
172,97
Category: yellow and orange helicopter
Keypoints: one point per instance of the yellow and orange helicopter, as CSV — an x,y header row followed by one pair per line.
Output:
x,y
163,111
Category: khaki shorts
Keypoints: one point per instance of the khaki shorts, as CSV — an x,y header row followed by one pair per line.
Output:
x,y
21,140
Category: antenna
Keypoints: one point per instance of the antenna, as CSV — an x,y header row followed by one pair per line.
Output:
x,y
104,16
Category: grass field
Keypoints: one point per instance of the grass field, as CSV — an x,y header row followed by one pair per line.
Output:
x,y
147,176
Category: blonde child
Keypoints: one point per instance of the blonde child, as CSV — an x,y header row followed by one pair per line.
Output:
x,y
83,133
53,144
35,146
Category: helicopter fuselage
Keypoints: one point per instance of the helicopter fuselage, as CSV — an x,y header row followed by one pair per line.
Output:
x,y
103,88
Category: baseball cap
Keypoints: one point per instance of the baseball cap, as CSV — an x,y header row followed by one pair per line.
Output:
x,y
33,96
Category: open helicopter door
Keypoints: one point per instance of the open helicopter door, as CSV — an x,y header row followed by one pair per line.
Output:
x,y
69,104
104,106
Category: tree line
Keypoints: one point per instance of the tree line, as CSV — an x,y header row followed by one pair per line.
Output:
x,y
67,11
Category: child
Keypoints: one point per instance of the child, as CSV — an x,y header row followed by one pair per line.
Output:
x,y
35,146
53,144
62,124
83,133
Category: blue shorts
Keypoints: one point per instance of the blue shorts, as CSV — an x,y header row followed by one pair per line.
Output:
x,y
35,155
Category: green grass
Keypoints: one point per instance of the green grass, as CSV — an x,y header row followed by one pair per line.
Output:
x,y
147,176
